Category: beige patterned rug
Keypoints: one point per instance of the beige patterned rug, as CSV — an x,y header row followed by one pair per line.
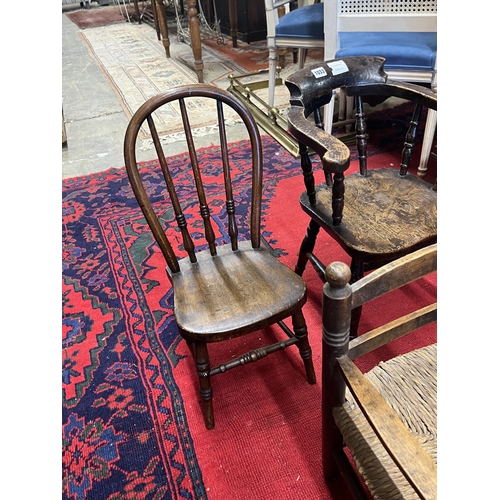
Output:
x,y
135,64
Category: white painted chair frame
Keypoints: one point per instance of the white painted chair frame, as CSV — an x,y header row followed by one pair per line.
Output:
x,y
384,16
272,16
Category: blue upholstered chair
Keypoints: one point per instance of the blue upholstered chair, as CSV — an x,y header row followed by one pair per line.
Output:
x,y
300,28
404,32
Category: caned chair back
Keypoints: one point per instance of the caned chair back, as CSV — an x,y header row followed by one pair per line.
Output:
x,y
402,31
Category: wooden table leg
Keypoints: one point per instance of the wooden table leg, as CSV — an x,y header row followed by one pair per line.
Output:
x,y
137,13
194,34
155,19
162,23
233,22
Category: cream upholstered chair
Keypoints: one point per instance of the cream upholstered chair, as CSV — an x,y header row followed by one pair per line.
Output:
x,y
300,28
404,32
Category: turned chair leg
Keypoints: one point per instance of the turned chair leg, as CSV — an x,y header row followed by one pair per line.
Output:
x,y
194,33
273,67
307,246
333,445
300,331
357,272
203,370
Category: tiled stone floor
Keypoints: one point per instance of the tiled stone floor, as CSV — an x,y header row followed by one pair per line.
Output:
x,y
94,119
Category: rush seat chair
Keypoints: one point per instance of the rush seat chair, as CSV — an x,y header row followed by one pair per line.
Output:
x,y
386,418
226,283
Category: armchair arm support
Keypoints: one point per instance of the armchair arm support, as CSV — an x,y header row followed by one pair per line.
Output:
x,y
416,465
335,154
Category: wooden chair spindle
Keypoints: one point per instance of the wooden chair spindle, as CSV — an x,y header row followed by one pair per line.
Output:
x,y
179,215
204,209
230,206
361,135
410,139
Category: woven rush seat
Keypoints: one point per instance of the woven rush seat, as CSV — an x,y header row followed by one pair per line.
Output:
x,y
408,383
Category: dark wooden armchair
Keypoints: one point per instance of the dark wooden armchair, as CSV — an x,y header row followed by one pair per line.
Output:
x,y
375,215
387,417
226,284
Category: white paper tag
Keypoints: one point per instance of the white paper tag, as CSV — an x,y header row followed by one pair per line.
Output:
x,y
338,67
318,72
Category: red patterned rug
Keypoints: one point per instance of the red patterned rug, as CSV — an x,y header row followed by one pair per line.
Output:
x,y
255,56
132,424
98,16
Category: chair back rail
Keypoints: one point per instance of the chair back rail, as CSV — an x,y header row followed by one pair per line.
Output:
x,y
146,114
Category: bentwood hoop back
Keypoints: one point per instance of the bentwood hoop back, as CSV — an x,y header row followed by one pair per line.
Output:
x,y
224,286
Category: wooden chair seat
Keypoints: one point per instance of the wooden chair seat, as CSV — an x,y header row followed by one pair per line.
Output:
x,y
234,286
376,215
408,384
377,226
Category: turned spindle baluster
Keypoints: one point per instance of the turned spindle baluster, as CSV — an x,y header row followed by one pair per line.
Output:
x,y
361,135
161,21
335,342
194,34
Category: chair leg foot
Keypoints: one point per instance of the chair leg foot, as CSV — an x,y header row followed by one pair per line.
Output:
x,y
208,415
300,331
203,370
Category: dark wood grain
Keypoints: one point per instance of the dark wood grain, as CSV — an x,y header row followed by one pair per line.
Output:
x,y
221,290
375,215
378,226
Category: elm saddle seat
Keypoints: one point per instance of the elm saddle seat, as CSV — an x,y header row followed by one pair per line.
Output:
x,y
386,418
375,215
223,287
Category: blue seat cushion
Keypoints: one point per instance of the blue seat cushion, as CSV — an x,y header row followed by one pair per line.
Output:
x,y
402,50
304,22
